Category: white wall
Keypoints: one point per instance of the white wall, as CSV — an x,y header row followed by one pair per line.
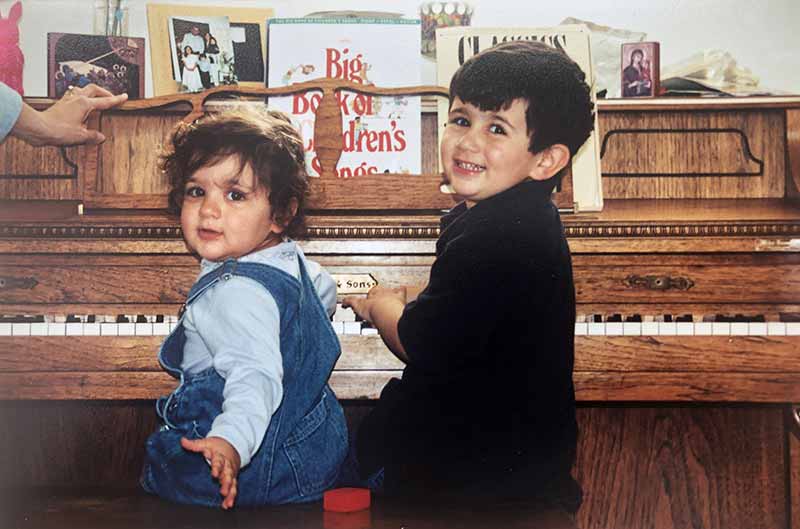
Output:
x,y
762,36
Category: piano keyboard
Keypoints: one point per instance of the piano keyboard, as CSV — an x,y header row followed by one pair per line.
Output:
x,y
346,322
87,325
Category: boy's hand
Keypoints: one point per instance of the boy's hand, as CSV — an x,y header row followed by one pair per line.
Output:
x,y
224,461
363,306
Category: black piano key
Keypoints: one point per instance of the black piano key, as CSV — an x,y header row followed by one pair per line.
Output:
x,y
159,318
141,318
634,318
668,317
121,318
685,317
615,318
71,318
597,318
91,318
759,318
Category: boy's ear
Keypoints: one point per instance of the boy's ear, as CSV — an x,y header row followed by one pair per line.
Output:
x,y
550,161
16,12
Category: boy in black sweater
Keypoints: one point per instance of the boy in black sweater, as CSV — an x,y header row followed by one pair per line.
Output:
x,y
486,404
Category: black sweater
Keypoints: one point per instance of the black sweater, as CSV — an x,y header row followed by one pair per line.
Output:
x,y
486,404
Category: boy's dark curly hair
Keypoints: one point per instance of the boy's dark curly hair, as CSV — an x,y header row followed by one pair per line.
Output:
x,y
264,139
560,108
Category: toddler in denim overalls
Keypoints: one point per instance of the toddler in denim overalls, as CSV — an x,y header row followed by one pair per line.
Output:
x,y
253,420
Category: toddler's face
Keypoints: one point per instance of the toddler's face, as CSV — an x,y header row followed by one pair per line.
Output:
x,y
486,152
225,213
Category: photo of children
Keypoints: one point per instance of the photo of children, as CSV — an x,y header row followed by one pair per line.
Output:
x,y
202,54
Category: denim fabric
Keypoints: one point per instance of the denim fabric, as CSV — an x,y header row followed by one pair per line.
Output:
x,y
306,440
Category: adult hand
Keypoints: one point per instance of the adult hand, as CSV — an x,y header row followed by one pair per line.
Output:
x,y
224,461
64,123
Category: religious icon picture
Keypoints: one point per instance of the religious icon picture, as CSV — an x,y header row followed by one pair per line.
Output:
x,y
113,63
640,69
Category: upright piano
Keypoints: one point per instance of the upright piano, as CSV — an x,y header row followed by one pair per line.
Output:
x,y
687,353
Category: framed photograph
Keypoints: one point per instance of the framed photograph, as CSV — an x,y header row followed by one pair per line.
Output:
x,y
245,41
114,63
202,52
640,69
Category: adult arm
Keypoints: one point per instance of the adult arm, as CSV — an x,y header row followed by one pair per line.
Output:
x,y
64,123
11,105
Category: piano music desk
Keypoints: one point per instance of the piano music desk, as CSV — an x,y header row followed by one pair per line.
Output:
x,y
688,288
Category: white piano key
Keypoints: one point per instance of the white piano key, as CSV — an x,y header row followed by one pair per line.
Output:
x,y
581,328
703,328
352,327
667,328
739,328
369,331
684,328
649,328
20,329
161,329
57,329
596,328
792,328
344,314
631,328
776,328
108,329
338,327
143,329
720,328
74,329
757,328
614,328
126,329
5,329
39,329
91,329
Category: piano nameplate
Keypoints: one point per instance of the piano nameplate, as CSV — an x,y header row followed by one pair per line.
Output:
x,y
347,284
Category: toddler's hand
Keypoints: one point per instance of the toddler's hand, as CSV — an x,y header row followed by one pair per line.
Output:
x,y
224,461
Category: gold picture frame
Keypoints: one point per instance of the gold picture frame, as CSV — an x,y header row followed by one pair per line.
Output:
x,y
158,16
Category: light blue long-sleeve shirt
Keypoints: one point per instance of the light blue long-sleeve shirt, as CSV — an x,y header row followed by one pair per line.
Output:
x,y
234,327
10,108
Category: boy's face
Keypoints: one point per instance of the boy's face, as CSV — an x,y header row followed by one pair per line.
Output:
x,y
225,212
486,152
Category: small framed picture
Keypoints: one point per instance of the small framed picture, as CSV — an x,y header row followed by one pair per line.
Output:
x,y
113,63
640,69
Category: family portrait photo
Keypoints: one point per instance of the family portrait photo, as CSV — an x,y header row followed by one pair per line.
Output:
x,y
202,52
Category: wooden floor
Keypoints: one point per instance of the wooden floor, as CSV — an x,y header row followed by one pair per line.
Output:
x,y
133,509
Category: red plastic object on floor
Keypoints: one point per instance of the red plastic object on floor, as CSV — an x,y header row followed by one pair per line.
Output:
x,y
346,499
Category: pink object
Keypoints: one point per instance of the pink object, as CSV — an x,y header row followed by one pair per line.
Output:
x,y
11,58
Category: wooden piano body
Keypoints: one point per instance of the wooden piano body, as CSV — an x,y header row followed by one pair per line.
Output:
x,y
688,286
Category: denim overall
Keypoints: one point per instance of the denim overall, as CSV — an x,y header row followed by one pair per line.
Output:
x,y
306,440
